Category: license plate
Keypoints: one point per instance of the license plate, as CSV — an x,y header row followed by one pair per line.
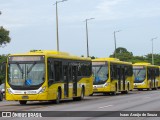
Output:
x,y
25,97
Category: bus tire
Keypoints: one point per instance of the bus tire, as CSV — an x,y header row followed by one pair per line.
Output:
x,y
91,94
23,102
81,97
82,94
128,87
113,93
156,86
1,97
149,89
57,101
116,86
140,89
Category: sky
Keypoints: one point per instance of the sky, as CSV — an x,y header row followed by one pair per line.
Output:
x,y
32,25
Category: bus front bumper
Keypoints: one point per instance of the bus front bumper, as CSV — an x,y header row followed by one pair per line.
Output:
x,y
27,97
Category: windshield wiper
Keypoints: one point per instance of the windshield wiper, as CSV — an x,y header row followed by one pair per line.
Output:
x,y
28,71
99,69
20,68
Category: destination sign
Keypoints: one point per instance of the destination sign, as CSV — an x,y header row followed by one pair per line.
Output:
x,y
138,67
26,58
99,63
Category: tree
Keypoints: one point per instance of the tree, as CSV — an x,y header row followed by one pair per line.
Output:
x,y
156,58
4,37
136,59
3,59
123,54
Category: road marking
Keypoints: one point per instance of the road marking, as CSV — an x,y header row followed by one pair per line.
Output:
x,y
105,106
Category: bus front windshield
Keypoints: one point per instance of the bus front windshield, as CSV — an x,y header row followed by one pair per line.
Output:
x,y
100,73
139,75
26,74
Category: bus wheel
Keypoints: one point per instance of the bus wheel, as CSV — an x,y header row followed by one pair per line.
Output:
x,y
156,86
81,97
82,94
126,92
57,101
1,97
113,93
91,94
105,93
149,89
23,102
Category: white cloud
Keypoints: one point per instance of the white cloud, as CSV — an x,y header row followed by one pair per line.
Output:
x,y
122,9
20,14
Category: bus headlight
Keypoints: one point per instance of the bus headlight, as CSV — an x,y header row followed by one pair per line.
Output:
x,y
105,85
143,83
42,90
9,91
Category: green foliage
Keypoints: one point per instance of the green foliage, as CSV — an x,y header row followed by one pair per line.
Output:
x,y
124,55
156,58
3,59
92,57
4,37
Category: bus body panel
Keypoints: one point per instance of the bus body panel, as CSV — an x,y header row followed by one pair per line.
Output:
x,y
69,88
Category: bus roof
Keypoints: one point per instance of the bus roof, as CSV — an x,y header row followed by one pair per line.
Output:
x,y
144,64
115,60
51,53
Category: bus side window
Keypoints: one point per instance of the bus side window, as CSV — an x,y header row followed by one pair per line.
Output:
x,y
89,69
74,72
58,70
79,70
112,72
65,72
148,74
157,72
83,70
50,72
130,70
70,73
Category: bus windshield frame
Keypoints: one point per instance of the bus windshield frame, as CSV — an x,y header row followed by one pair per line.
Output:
x,y
100,73
139,74
26,74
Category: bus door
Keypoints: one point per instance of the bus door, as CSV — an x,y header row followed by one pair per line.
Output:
x,y
66,80
123,76
151,77
119,77
154,78
74,78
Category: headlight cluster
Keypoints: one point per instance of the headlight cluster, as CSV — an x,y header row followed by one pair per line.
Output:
x,y
42,90
9,91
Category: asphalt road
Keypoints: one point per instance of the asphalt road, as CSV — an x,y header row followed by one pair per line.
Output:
x,y
94,107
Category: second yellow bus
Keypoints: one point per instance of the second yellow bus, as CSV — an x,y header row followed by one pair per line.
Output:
x,y
112,76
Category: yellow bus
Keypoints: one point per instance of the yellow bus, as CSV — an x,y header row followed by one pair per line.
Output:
x,y
112,76
47,76
159,78
146,76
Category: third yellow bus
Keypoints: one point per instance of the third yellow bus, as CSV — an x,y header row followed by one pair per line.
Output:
x,y
146,76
